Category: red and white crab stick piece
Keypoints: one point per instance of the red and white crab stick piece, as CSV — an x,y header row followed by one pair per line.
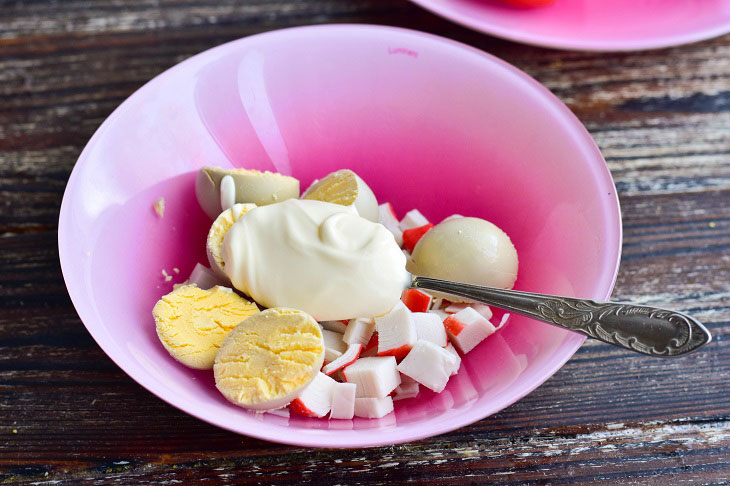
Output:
x,y
279,412
483,309
454,307
457,359
334,326
467,328
428,364
359,331
396,332
403,392
375,377
373,407
387,217
440,313
343,401
316,399
429,327
334,346
348,357
502,322
416,300
371,348
205,278
412,219
412,235
408,388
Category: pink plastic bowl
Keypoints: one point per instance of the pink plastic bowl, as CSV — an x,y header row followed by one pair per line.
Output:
x,y
427,122
593,25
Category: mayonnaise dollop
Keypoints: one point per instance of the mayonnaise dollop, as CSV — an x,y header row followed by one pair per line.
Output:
x,y
315,256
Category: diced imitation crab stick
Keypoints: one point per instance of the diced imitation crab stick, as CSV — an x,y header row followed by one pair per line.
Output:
x,y
347,358
438,312
334,346
429,327
406,391
359,331
411,236
406,380
343,401
371,348
467,328
457,359
396,332
373,407
454,307
416,300
483,309
408,388
428,364
462,388
205,278
335,326
279,412
316,399
375,377
387,217
412,219
502,322
337,375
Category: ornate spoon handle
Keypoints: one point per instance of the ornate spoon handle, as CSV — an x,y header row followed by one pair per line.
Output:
x,y
647,330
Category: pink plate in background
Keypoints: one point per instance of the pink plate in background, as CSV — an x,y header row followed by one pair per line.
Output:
x,y
427,122
592,25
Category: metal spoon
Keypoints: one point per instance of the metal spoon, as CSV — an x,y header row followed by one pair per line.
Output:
x,y
647,330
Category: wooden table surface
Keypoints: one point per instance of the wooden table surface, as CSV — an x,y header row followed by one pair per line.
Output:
x,y
661,118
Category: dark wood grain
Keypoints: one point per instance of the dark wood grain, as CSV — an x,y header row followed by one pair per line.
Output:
x,y
661,118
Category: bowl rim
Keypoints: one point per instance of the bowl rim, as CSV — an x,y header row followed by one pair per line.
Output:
x,y
567,43
390,436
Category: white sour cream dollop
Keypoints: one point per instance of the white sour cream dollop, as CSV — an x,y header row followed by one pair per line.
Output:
x,y
318,257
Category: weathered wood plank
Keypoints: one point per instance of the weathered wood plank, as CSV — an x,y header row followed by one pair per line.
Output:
x,y
614,453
